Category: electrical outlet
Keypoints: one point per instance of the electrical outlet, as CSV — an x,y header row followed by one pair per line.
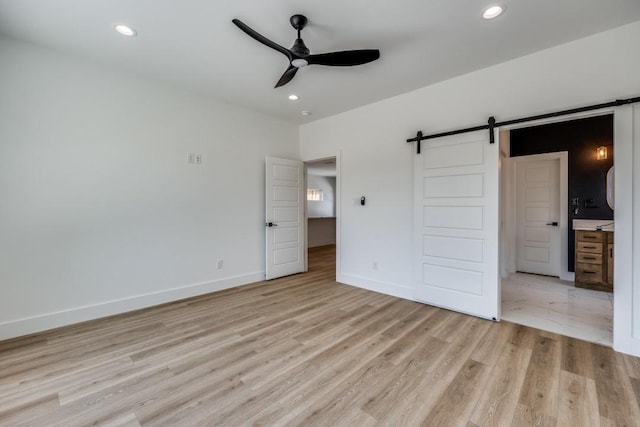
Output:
x,y
220,264
198,159
191,158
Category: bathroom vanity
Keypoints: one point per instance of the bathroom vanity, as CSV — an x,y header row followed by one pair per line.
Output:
x,y
594,254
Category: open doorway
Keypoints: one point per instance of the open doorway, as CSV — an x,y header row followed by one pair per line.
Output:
x,y
321,213
554,181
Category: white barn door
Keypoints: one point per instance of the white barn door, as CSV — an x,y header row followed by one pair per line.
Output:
x,y
284,217
456,199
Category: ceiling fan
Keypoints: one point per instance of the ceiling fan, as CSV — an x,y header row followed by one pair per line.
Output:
x,y
299,55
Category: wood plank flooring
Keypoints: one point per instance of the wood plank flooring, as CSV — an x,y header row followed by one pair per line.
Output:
x,y
305,350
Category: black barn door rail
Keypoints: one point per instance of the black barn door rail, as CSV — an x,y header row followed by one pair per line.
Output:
x,y
491,123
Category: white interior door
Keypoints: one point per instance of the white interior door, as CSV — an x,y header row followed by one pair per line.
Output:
x,y
456,224
284,217
538,236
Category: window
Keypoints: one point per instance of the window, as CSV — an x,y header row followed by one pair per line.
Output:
x,y
315,194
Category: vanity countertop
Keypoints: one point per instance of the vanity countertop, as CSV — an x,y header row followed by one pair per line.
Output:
x,y
593,224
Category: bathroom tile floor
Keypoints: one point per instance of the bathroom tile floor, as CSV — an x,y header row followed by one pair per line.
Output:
x,y
555,305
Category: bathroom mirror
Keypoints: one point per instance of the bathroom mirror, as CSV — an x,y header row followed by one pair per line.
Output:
x,y
611,187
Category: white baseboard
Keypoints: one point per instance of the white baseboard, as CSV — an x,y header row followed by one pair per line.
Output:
x,y
568,276
43,322
376,286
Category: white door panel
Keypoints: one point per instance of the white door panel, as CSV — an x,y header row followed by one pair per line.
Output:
x,y
284,211
456,224
538,244
453,248
453,186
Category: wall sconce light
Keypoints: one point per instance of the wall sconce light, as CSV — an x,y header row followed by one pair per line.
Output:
x,y
601,153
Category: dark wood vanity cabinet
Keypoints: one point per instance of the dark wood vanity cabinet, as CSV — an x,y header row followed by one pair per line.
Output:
x,y
594,260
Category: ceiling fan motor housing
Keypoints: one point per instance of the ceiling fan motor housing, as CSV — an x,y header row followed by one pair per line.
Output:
x,y
299,48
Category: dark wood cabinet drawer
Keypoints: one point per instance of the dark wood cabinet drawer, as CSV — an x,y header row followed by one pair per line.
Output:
x,y
589,236
589,258
589,273
589,247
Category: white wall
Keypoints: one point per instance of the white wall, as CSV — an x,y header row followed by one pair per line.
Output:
x,y
626,301
321,225
327,206
99,210
378,163
321,231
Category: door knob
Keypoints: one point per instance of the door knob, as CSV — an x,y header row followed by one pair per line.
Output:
x,y
270,224
554,223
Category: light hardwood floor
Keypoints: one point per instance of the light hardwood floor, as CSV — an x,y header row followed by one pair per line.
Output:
x,y
305,350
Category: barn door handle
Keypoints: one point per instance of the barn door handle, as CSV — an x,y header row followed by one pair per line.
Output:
x,y
554,223
270,224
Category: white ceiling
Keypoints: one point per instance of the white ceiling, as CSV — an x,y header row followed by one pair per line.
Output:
x,y
193,44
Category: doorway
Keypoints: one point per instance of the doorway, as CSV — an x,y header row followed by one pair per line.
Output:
x,y
535,291
321,212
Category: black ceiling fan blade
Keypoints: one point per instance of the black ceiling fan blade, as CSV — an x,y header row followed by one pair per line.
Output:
x,y
344,58
287,76
262,39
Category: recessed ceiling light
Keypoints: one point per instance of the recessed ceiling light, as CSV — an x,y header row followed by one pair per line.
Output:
x,y
293,97
492,12
125,30
305,112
